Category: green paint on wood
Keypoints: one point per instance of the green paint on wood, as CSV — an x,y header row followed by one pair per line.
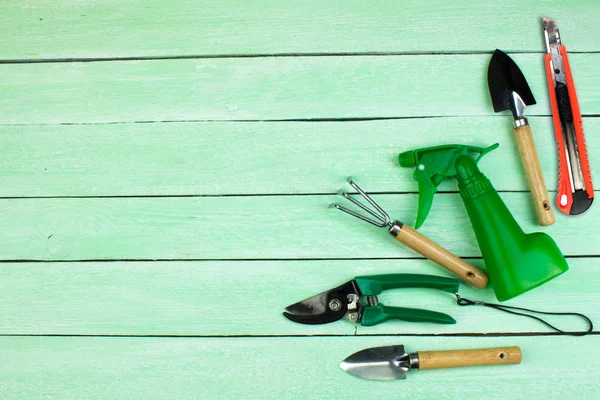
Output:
x,y
105,154
111,28
270,88
261,227
280,368
214,158
247,298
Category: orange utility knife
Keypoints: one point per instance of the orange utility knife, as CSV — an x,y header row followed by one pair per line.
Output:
x,y
575,191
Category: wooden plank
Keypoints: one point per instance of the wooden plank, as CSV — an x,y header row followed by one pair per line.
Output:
x,y
216,158
254,227
269,88
247,298
281,368
111,28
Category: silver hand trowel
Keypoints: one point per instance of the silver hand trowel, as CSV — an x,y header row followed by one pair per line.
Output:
x,y
392,362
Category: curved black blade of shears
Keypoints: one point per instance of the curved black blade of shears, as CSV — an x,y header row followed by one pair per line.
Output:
x,y
323,308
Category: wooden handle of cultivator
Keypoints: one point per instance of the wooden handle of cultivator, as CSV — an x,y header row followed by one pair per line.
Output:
x,y
535,178
443,257
469,358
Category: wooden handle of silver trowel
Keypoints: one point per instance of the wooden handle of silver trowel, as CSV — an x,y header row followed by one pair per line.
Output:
x,y
533,171
438,254
469,358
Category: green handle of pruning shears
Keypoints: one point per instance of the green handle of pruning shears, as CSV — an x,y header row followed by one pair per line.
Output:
x,y
380,313
372,285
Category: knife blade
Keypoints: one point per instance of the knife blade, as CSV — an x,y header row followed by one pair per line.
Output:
x,y
509,91
393,362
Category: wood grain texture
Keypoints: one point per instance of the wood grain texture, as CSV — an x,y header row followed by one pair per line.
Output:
x,y
277,368
248,298
112,28
535,178
254,227
469,357
270,88
213,158
433,251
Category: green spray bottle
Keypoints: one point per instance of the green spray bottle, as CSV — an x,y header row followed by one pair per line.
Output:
x,y
516,262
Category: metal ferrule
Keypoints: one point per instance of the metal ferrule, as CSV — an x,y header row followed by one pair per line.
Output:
x,y
395,228
519,122
414,360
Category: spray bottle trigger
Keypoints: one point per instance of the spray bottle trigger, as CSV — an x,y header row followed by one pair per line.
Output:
x,y
427,190
433,166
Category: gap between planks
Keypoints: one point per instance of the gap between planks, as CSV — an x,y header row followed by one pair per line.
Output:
x,y
160,260
306,120
272,55
167,336
267,55
150,196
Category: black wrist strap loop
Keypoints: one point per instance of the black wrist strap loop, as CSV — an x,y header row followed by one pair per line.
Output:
x,y
461,301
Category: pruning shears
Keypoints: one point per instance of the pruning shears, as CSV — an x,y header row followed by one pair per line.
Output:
x,y
357,301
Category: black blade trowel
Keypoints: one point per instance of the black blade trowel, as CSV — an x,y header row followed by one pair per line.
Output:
x,y
509,91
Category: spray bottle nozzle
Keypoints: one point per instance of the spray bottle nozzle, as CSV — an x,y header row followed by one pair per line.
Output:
x,y
407,159
433,166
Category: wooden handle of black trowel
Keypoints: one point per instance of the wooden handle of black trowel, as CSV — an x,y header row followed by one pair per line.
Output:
x,y
469,358
438,254
533,171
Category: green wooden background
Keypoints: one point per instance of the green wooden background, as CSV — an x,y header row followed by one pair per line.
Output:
x,y
165,172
